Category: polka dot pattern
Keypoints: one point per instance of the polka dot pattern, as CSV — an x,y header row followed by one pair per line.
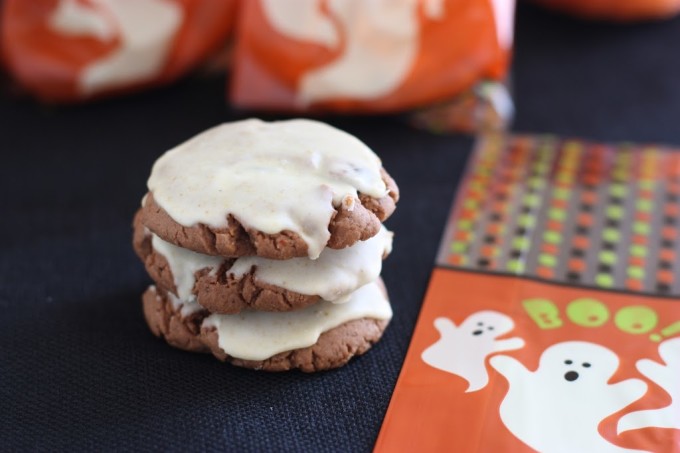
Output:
x,y
570,211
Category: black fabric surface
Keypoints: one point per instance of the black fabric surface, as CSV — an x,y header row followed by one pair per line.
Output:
x,y
79,369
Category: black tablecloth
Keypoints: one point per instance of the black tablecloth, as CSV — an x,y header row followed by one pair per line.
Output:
x,y
79,369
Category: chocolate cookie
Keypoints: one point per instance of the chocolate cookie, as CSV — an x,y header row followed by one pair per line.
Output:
x,y
229,285
180,328
333,347
276,190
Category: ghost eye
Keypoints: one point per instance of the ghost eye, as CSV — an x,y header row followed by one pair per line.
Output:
x,y
490,328
568,362
480,323
586,365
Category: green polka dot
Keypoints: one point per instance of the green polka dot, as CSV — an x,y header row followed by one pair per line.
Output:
x,y
638,250
565,178
644,205
536,183
547,260
526,220
605,280
541,167
611,234
621,174
647,184
477,185
571,146
614,212
561,193
531,200
641,228
470,204
521,243
459,247
464,224
607,257
618,190
516,266
636,272
557,214
552,237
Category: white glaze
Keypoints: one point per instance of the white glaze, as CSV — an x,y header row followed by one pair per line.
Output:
x,y
333,276
184,264
285,175
185,307
257,335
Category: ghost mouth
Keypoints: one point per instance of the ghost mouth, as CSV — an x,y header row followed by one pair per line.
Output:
x,y
477,332
571,376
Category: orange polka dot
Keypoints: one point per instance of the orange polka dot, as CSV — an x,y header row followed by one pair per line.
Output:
x,y
555,225
493,228
462,236
551,249
468,214
639,239
643,216
591,179
637,261
671,209
646,194
456,260
559,204
635,285
665,276
474,195
667,254
488,251
581,242
668,233
545,272
577,265
585,219
589,197
498,206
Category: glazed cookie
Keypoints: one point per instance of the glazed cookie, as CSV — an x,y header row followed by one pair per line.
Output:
x,y
178,323
319,337
229,285
276,190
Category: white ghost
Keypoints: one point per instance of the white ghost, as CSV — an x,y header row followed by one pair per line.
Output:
x,y
462,350
558,407
665,376
378,40
146,30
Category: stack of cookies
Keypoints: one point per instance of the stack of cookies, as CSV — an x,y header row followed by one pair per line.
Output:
x,y
265,242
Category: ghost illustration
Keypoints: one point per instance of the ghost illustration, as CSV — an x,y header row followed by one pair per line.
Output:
x,y
462,350
378,40
665,376
145,29
558,407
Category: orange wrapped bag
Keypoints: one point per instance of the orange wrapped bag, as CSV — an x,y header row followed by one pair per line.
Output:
x,y
70,50
367,56
618,10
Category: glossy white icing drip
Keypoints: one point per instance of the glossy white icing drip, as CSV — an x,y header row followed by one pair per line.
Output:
x,y
257,335
285,175
334,275
184,264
